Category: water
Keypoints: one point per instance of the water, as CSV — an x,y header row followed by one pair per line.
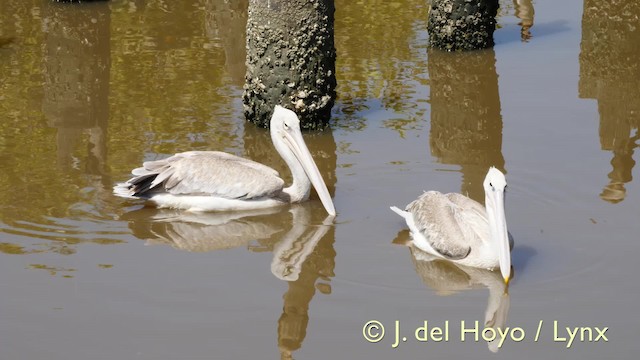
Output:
x,y
89,91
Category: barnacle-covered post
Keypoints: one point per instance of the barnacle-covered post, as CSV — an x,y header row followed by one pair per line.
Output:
x,y
290,60
462,24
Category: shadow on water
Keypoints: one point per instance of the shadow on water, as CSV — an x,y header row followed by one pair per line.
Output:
x,y
447,279
466,124
609,73
301,238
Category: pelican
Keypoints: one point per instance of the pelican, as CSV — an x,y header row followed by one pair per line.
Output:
x,y
217,181
457,228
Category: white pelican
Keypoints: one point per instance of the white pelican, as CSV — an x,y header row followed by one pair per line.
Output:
x,y
459,229
217,181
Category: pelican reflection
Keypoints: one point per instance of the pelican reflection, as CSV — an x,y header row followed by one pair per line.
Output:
x,y
203,232
301,238
291,252
305,258
448,278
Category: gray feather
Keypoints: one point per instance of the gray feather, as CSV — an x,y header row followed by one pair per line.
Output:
x,y
206,173
437,218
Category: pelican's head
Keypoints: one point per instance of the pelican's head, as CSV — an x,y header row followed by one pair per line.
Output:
x,y
287,138
284,120
494,179
494,187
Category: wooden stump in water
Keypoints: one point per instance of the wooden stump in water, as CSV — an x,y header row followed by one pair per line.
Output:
x,y
290,60
462,24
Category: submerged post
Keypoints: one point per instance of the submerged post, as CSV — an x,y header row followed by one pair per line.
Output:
x,y
462,24
290,60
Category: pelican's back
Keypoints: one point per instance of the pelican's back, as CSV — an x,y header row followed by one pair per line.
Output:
x,y
450,224
208,173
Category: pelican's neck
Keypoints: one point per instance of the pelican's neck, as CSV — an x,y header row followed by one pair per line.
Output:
x,y
301,186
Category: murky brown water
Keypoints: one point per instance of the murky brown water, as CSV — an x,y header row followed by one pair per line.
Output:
x,y
89,91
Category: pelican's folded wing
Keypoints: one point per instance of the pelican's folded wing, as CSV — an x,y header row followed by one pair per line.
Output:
x,y
472,217
437,219
210,173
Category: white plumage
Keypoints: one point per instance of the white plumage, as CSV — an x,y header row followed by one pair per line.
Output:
x,y
457,228
217,181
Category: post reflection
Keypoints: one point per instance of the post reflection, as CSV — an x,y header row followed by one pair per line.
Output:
x,y
466,124
57,179
76,87
227,21
448,278
609,73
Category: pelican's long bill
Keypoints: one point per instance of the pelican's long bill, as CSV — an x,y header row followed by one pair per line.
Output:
x,y
299,148
494,203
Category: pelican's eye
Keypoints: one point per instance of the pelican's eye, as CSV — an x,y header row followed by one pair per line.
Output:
x,y
286,126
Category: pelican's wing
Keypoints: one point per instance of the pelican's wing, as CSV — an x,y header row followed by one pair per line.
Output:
x,y
439,220
205,173
477,211
467,204
473,216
